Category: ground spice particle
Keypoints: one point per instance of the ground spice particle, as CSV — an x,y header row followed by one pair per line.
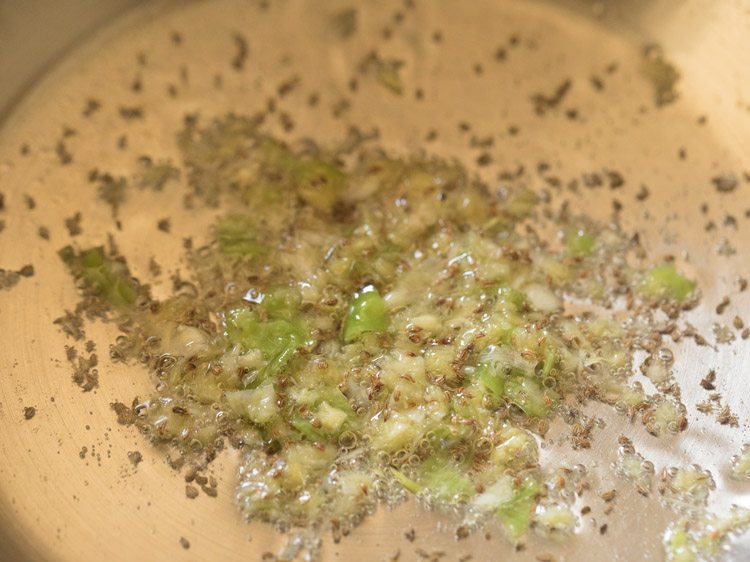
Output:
x,y
85,373
130,113
242,50
184,543
26,271
344,23
63,155
191,492
725,183
410,535
708,381
661,73
71,324
91,107
111,190
592,180
73,224
154,268
704,407
125,414
288,86
615,178
484,159
543,102
738,323
286,121
29,412
135,457
725,417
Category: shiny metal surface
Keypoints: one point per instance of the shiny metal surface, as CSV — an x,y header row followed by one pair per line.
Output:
x,y
58,503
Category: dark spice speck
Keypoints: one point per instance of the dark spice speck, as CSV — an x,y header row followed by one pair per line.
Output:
x,y
73,224
344,23
63,154
597,83
125,414
643,193
615,179
92,106
29,412
725,183
131,113
484,159
242,50
26,271
543,102
135,457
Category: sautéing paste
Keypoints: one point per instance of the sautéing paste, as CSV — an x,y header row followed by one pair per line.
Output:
x,y
365,327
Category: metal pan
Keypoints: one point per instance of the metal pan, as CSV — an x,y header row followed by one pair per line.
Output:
x,y
69,491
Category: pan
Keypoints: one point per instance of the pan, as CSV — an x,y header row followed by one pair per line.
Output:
x,y
657,93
